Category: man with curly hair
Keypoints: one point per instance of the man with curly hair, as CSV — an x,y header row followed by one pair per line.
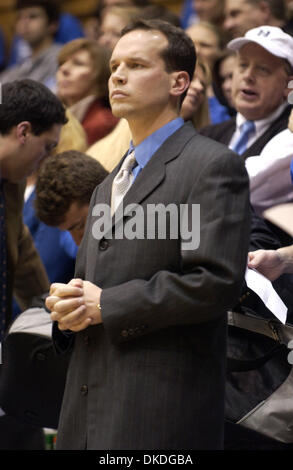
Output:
x,y
63,191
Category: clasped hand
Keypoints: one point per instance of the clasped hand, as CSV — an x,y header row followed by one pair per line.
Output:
x,y
74,305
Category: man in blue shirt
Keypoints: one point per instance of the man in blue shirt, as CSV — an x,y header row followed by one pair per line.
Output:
x,y
147,310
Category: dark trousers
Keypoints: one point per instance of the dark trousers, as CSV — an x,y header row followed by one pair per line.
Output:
x,y
240,438
16,435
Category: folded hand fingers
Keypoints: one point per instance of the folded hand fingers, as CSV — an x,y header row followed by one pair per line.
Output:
x,y
74,320
67,306
65,290
51,301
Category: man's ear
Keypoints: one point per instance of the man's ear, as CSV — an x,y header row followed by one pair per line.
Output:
x,y
22,130
180,83
288,92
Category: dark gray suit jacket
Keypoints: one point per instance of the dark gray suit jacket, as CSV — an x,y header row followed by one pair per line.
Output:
x,y
152,375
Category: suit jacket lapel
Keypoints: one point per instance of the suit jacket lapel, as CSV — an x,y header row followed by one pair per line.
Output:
x,y
151,175
276,126
231,127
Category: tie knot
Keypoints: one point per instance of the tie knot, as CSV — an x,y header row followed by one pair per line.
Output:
x,y
247,126
129,162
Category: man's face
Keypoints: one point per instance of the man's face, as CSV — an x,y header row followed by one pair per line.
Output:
x,y
75,220
32,25
240,16
139,85
27,155
259,83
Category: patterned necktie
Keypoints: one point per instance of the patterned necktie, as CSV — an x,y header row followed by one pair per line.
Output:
x,y
2,265
246,130
122,181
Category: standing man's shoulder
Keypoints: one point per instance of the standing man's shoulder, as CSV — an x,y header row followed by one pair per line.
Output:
x,y
220,132
207,148
202,155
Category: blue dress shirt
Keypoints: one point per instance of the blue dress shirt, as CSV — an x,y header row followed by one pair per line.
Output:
x,y
146,149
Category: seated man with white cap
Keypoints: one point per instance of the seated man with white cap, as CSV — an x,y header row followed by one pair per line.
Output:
x,y
259,91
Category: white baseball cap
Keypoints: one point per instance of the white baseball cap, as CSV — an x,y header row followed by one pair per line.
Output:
x,y
271,38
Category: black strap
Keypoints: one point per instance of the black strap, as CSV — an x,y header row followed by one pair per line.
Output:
x,y
244,365
39,302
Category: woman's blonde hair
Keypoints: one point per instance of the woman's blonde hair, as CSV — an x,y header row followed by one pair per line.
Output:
x,y
100,57
72,136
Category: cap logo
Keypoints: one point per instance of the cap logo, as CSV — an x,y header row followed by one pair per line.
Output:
x,y
264,33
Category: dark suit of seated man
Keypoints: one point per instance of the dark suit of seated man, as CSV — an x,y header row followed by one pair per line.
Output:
x,y
259,90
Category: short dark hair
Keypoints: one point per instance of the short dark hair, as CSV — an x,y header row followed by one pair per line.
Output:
x,y
51,7
65,178
28,100
179,54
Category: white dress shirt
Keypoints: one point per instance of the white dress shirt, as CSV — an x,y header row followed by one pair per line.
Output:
x,y
261,125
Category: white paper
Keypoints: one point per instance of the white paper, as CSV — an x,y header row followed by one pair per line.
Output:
x,y
264,289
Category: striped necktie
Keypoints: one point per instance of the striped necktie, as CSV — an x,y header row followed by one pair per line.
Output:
x,y
122,181
246,130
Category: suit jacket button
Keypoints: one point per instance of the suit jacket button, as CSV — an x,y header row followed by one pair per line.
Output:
x,y
86,340
40,356
104,244
124,333
84,390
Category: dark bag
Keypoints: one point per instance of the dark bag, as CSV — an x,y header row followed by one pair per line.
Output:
x,y
32,375
259,385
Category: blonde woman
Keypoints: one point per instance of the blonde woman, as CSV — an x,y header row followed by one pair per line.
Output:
x,y
82,85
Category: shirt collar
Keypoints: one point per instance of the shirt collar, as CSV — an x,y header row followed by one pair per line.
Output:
x,y
146,149
261,123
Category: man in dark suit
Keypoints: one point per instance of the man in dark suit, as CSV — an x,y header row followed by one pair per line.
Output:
x,y
147,311
31,118
259,90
